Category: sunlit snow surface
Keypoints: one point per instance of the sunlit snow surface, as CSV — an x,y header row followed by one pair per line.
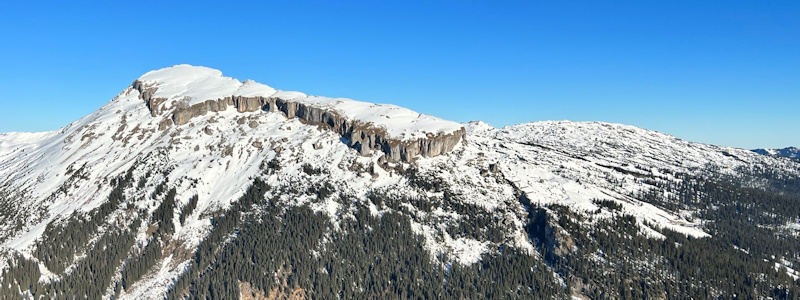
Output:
x,y
216,156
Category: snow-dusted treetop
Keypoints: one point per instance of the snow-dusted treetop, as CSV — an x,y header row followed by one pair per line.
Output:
x,y
194,84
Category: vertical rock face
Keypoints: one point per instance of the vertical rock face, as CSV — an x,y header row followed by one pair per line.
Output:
x,y
182,115
247,104
364,137
146,93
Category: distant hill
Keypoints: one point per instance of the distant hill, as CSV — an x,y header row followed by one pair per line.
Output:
x,y
791,152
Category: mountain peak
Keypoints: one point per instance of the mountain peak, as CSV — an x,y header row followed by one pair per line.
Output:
x,y
196,83
180,93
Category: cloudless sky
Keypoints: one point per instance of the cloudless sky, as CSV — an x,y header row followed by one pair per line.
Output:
x,y
719,72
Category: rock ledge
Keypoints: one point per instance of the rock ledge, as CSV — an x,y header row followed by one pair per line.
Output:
x,y
363,137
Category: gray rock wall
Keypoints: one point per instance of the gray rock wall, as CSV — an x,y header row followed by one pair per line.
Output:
x,y
363,137
182,115
366,137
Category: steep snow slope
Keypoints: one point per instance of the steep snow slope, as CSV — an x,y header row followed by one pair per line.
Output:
x,y
500,172
109,141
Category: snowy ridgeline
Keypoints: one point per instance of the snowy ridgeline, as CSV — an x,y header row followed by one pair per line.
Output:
x,y
189,85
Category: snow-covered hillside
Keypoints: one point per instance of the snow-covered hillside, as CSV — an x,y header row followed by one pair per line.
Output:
x,y
48,177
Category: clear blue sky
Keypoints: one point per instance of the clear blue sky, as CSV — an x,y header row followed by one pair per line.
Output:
x,y
720,72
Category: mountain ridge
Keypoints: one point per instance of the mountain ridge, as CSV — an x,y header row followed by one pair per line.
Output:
x,y
400,133
790,152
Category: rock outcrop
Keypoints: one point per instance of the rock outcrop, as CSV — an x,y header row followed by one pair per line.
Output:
x,y
364,137
182,115
146,93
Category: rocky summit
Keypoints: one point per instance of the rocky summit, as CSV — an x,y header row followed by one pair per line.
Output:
x,y
190,184
365,126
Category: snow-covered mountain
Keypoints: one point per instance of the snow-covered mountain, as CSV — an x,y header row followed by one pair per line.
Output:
x,y
183,166
790,152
